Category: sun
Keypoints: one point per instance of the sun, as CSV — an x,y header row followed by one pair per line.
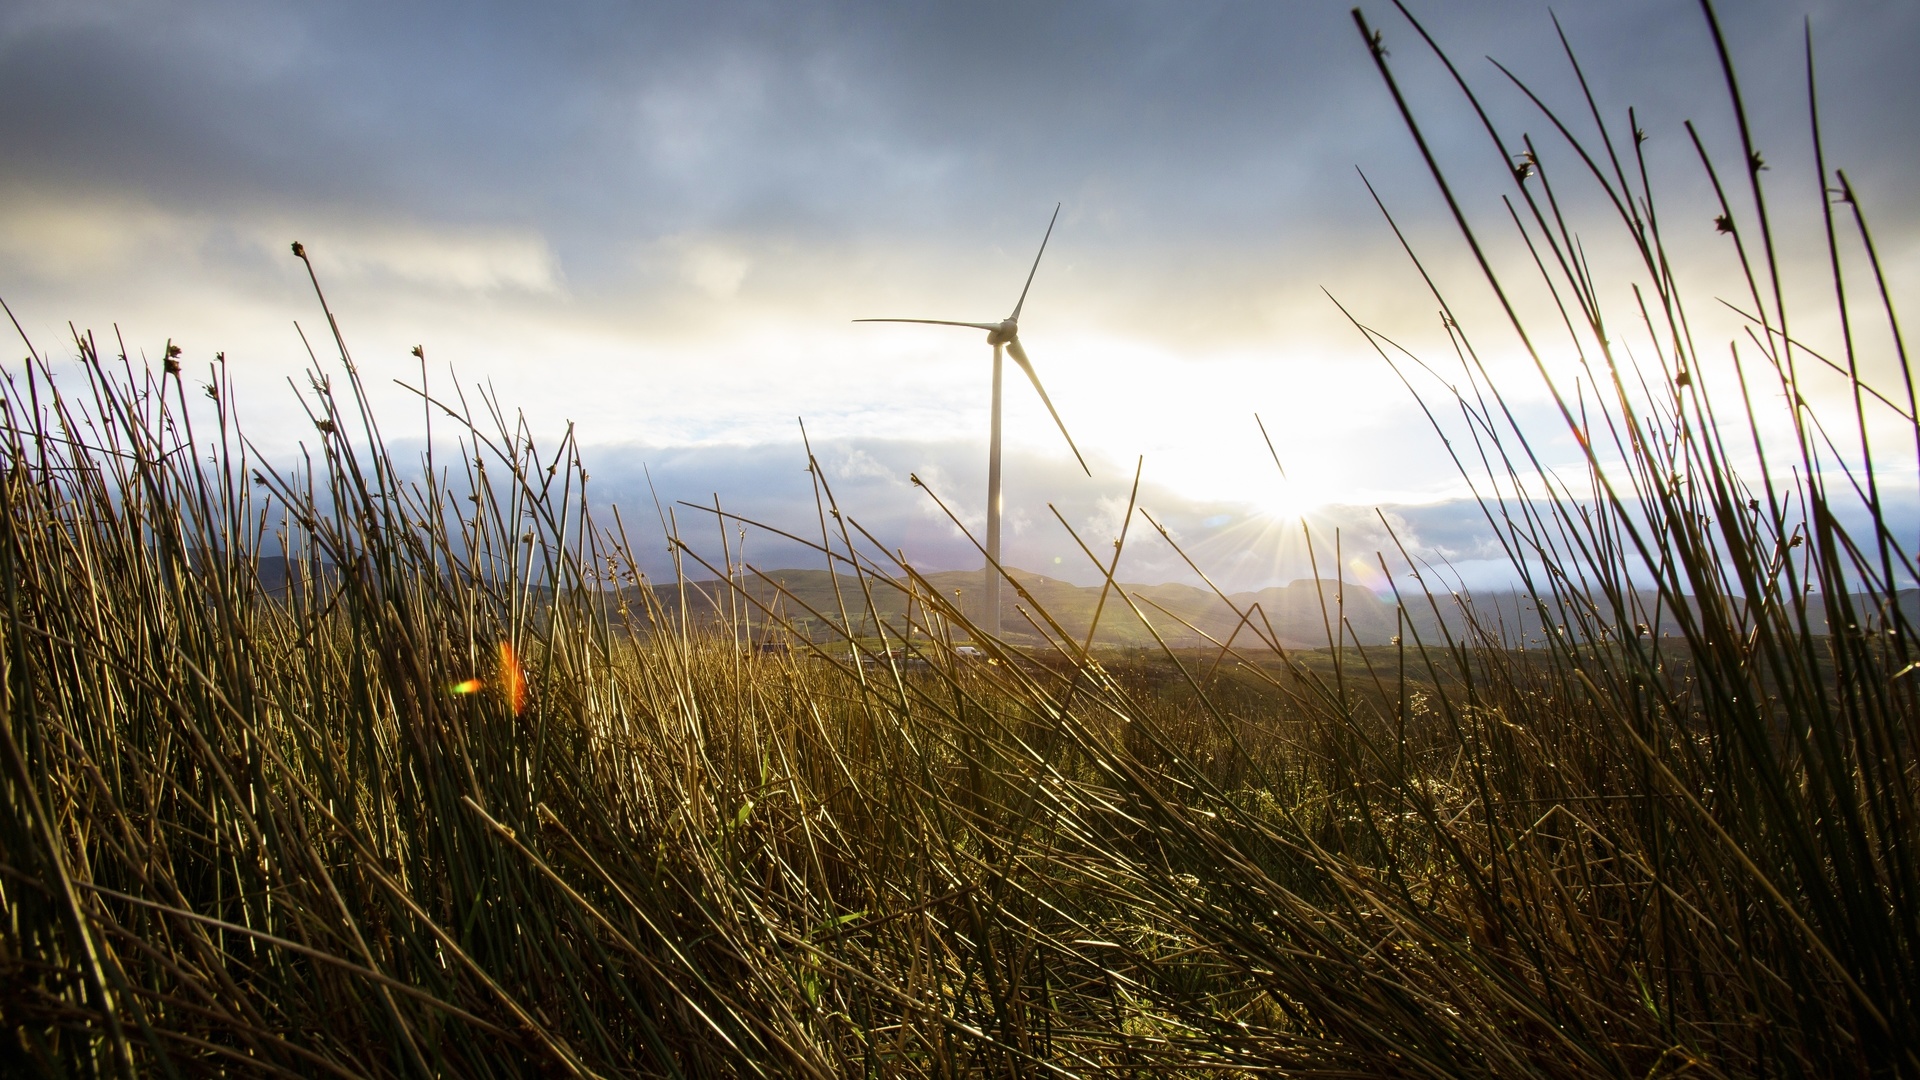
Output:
x,y
1286,498
1282,501
1252,483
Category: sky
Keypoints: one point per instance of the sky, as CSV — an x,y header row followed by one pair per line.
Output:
x,y
656,223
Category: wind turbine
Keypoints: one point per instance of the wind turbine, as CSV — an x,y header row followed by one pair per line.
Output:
x,y
1004,336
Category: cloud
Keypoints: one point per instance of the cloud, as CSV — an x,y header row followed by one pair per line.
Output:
x,y
1235,542
478,260
857,463
68,238
714,270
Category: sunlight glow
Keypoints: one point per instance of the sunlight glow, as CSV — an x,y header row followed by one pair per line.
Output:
x,y
513,682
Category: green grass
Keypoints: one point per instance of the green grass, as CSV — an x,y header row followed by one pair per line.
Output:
x,y
248,831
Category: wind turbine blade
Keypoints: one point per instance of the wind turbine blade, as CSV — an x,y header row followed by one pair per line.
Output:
x,y
939,322
1036,268
1020,357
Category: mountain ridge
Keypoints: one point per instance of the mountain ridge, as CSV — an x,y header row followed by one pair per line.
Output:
x,y
1306,613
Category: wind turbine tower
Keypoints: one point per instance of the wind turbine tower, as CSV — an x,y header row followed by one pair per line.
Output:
x,y
1004,336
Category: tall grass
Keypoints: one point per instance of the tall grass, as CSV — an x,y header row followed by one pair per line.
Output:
x,y
249,828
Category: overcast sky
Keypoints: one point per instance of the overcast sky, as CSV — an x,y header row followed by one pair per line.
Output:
x,y
657,221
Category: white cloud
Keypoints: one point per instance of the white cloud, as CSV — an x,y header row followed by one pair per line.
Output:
x,y
714,270
439,257
1106,519
859,463
73,237
70,240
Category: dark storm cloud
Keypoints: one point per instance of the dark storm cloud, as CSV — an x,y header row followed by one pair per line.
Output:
x,y
602,124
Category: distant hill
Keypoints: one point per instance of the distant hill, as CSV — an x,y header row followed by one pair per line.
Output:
x,y
1180,613
1301,614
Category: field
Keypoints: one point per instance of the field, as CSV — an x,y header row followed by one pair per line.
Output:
x,y
453,790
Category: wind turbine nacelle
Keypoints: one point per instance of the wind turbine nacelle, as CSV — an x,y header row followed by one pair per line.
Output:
x,y
1003,333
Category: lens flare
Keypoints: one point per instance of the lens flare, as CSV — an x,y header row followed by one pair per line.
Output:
x,y
512,682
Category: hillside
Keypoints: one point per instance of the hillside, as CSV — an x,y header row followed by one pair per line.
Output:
x,y
1300,614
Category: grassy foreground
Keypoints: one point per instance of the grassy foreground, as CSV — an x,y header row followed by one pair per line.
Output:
x,y
248,827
